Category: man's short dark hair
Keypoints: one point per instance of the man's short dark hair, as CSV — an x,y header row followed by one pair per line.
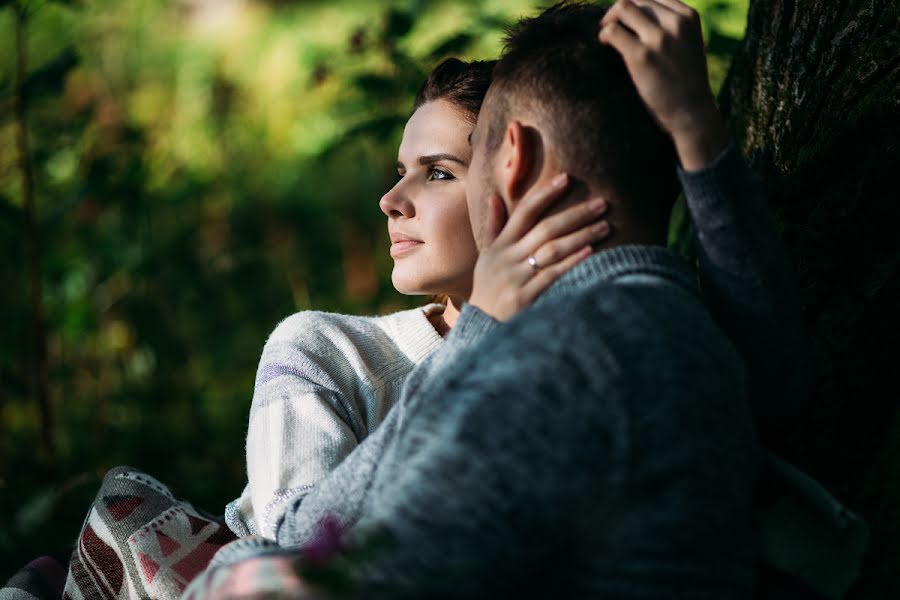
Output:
x,y
553,66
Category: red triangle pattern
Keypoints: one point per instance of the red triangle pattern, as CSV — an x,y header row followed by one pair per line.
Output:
x,y
166,544
189,566
197,524
149,566
124,507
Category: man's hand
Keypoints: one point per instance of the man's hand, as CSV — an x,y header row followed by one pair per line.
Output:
x,y
662,45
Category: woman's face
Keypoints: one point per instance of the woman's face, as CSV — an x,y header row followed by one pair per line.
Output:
x,y
431,239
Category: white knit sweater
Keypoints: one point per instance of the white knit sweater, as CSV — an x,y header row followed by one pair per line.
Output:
x,y
324,382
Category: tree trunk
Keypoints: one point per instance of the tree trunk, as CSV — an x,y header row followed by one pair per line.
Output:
x,y
813,97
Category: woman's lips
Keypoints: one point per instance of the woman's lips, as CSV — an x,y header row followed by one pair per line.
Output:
x,y
401,247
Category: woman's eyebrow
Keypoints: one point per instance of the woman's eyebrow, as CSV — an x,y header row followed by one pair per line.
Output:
x,y
433,158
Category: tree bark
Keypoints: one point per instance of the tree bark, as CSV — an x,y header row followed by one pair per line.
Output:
x,y
38,330
813,97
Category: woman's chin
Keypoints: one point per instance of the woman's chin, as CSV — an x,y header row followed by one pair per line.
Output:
x,y
412,284
407,286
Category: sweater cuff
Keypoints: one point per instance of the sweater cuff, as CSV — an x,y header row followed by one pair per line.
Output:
x,y
726,177
472,325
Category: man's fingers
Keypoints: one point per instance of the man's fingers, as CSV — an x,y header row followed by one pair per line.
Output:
x,y
645,26
667,17
532,207
547,276
561,224
623,40
679,7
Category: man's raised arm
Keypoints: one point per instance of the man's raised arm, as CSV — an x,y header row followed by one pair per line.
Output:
x,y
744,269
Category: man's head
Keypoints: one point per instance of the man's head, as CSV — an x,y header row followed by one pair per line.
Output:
x,y
563,102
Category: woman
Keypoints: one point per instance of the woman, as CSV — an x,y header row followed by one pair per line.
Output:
x,y
326,381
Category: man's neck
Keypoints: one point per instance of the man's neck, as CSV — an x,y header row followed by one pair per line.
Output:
x,y
626,228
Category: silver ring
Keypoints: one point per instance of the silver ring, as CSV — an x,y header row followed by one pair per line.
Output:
x,y
533,262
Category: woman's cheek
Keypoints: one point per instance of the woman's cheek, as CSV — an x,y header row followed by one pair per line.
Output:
x,y
459,237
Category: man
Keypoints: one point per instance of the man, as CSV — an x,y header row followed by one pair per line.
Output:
x,y
601,443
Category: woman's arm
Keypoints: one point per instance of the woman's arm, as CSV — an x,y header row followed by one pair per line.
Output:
x,y
305,417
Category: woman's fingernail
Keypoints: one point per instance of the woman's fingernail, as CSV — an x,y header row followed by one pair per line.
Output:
x,y
559,180
601,227
597,205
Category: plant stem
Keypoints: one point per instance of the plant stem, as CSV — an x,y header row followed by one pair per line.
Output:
x,y
38,330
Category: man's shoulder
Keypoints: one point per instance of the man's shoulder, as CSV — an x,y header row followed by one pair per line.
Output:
x,y
640,304
637,324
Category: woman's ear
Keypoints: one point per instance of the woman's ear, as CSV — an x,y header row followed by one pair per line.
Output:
x,y
518,151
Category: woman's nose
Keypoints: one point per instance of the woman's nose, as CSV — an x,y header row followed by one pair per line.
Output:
x,y
395,203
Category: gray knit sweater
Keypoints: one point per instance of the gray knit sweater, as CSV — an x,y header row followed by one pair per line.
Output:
x,y
599,445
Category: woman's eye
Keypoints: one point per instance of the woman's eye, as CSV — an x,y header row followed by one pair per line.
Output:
x,y
435,173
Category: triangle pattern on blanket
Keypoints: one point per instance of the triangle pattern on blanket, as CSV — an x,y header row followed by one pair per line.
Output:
x,y
197,524
150,567
166,544
196,561
121,506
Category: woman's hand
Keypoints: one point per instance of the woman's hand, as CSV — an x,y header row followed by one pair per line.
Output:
x,y
526,255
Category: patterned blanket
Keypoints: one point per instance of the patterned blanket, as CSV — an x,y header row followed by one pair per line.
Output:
x,y
138,541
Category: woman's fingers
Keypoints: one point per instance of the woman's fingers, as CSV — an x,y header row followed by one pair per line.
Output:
x,y
532,207
563,223
547,276
496,219
561,248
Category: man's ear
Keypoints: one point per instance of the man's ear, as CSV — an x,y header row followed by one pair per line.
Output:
x,y
518,152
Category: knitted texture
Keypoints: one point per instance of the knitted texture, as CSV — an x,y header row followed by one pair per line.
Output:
x,y
600,444
325,381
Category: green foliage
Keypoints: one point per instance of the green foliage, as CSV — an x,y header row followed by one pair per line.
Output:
x,y
202,170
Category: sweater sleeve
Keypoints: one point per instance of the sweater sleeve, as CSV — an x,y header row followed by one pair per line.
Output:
x,y
341,493
303,420
745,275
